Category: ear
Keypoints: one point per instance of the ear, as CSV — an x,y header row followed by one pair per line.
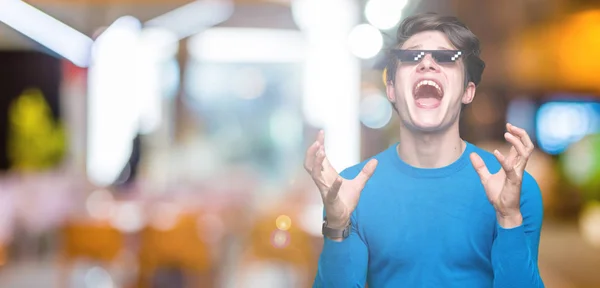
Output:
x,y
389,90
469,93
389,86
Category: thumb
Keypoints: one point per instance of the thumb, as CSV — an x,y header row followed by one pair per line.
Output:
x,y
366,173
480,167
332,194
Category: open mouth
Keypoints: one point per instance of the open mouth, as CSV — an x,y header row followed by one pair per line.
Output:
x,y
428,94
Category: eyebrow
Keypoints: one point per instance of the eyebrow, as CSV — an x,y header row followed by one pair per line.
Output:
x,y
413,47
419,46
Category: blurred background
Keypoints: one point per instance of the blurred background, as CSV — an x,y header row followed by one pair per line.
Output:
x,y
160,143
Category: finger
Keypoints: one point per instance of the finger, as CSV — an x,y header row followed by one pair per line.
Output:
x,y
321,140
522,134
366,173
309,158
513,155
317,170
321,137
508,168
479,165
332,193
517,144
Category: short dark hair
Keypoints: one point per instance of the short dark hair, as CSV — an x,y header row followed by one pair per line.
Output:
x,y
458,34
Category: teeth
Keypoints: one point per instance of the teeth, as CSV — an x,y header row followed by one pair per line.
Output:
x,y
430,83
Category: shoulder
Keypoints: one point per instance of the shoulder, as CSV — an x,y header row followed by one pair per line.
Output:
x,y
531,195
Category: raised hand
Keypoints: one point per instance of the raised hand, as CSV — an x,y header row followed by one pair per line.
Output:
x,y
340,196
503,189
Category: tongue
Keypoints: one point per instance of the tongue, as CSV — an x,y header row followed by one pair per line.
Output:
x,y
428,101
427,96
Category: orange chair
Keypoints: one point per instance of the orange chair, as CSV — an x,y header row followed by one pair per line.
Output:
x,y
290,245
178,246
3,256
96,241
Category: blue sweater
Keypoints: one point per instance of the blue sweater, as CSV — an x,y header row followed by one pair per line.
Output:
x,y
418,227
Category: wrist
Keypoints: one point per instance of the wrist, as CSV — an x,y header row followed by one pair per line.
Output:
x,y
510,221
336,231
337,223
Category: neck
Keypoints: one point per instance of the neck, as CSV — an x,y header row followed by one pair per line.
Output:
x,y
430,150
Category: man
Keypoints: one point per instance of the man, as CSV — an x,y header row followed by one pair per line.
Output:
x,y
426,217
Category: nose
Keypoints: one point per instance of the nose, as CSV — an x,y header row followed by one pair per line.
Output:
x,y
428,64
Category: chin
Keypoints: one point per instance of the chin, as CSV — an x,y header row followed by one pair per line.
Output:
x,y
426,124
420,119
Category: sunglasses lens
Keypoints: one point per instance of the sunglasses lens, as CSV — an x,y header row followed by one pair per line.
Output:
x,y
441,56
445,56
410,56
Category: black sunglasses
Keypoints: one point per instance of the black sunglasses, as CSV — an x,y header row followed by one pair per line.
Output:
x,y
415,56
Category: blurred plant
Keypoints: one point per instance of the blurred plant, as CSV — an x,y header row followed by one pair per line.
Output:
x,y
35,141
581,166
589,223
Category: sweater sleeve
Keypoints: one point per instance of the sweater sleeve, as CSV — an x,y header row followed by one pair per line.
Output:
x,y
515,250
343,264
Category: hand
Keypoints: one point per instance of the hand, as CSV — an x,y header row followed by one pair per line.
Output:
x,y
340,196
503,189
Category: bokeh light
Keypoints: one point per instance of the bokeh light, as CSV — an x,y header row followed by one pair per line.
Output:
x,y
581,165
280,239
97,277
100,204
283,222
577,35
317,16
375,110
560,124
365,41
589,223
384,14
165,216
128,217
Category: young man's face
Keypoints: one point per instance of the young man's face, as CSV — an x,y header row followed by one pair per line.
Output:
x,y
427,94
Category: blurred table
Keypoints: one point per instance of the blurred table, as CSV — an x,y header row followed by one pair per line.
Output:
x,y
566,260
